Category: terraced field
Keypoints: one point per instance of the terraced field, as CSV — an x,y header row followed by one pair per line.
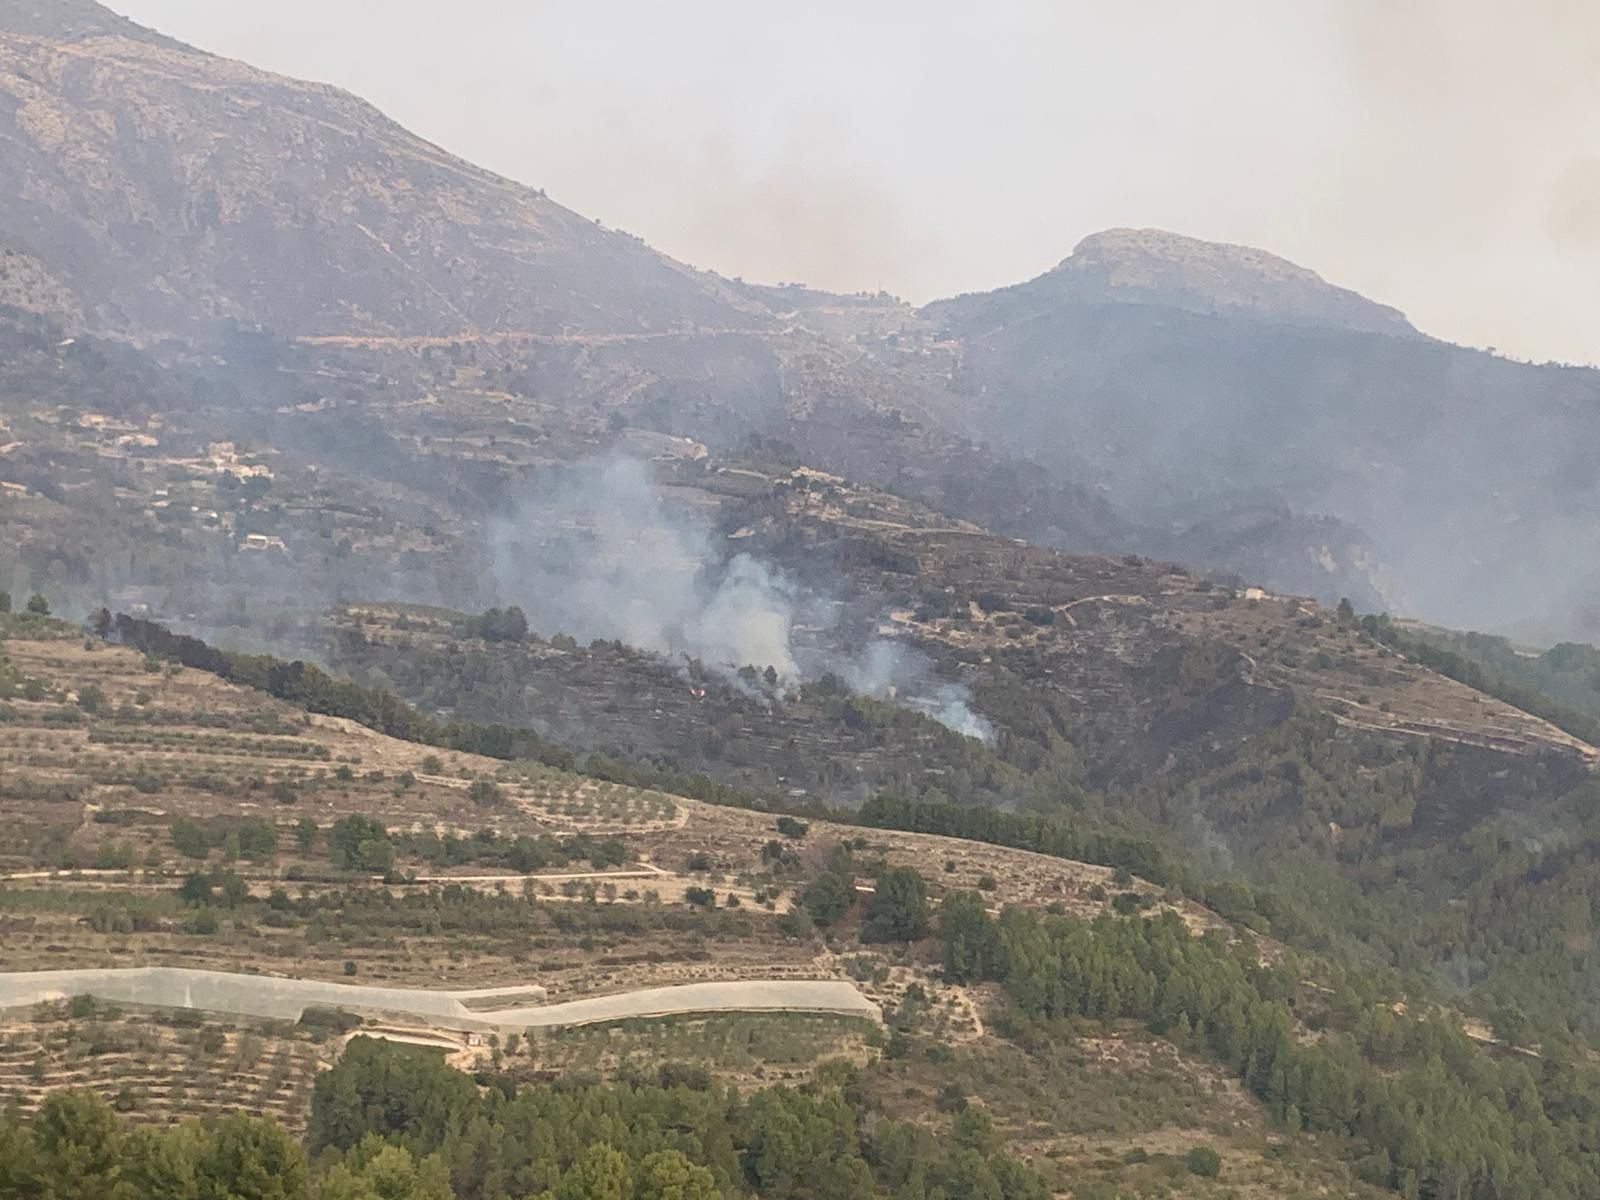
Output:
x,y
113,752
104,758
160,1066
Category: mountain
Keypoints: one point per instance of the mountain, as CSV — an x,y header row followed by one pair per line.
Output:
x,y
1291,430
172,190
1208,403
72,21
27,285
1152,266
497,612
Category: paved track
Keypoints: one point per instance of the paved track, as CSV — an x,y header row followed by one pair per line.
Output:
x,y
287,999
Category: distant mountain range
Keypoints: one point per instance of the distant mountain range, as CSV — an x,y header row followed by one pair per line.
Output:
x,y
1152,393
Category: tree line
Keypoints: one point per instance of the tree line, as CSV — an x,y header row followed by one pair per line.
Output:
x,y
1432,1114
677,1135
391,1123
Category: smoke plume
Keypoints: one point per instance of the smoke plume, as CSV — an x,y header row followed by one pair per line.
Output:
x,y
598,554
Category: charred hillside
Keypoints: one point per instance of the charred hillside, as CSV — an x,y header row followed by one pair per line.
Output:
x,y
1249,734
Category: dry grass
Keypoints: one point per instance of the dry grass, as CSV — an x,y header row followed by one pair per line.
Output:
x,y
1295,643
1112,1112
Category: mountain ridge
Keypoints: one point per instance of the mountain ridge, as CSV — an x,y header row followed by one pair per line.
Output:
x,y
124,184
1209,403
73,20
1164,269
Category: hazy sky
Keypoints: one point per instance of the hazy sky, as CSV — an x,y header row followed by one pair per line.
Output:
x,y
1439,155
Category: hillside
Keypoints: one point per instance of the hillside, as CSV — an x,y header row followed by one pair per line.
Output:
x,y
1291,746
1293,431
1364,795
1084,1055
123,183
161,772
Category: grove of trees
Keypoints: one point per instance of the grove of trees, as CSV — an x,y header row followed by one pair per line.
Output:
x,y
1433,1114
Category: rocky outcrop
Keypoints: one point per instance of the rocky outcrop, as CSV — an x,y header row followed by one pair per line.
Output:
x,y
1152,266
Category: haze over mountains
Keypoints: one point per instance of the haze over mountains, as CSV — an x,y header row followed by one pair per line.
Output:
x,y
1153,394
411,586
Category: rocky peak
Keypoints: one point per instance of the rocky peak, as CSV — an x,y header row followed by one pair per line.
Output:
x,y
1156,267
70,21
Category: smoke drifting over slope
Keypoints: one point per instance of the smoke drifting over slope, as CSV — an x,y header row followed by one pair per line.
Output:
x,y
598,554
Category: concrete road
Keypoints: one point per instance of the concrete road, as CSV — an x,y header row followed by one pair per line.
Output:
x,y
287,999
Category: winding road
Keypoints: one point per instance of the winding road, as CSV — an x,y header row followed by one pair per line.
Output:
x,y
287,999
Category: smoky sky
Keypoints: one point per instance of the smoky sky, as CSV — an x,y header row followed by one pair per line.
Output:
x,y
1439,155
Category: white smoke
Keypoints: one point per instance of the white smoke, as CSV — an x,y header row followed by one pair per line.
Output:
x,y
598,554
891,671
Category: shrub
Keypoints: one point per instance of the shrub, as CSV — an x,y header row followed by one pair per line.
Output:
x,y
951,1099
612,852
1203,1161
191,840
898,910
497,625
829,896
359,843
322,1021
485,793
796,923
113,856
257,839
220,887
